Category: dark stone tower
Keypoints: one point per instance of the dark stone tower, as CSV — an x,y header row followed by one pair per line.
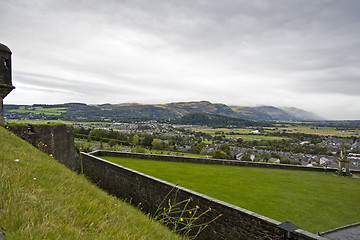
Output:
x,y
5,77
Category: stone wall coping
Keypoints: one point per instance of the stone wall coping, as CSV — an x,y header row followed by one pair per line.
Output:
x,y
308,235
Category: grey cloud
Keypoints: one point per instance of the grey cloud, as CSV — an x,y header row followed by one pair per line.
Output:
x,y
61,85
338,81
135,49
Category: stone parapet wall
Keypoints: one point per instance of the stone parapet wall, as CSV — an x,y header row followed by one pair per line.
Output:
x,y
148,193
54,139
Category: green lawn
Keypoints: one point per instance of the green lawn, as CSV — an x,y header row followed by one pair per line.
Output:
x,y
314,201
42,199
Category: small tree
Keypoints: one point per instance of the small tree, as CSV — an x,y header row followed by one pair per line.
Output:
x,y
135,140
194,149
226,148
158,143
139,149
147,140
246,156
112,143
219,154
264,156
240,140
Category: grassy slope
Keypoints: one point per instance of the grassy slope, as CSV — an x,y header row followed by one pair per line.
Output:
x,y
314,201
42,199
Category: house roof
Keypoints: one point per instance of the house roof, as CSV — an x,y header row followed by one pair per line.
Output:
x,y
274,160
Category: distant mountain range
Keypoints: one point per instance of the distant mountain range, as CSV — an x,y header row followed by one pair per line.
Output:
x,y
180,109
169,111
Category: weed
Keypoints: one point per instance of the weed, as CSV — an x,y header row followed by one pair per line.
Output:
x,y
182,216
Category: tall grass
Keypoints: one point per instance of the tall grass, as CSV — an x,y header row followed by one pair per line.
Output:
x,y
42,199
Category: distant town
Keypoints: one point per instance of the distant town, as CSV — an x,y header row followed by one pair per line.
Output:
x,y
307,150
203,129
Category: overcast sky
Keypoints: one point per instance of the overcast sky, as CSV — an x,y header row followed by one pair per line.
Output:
x,y
298,53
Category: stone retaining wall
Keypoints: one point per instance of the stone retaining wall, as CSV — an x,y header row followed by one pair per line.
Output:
x,y
148,193
54,139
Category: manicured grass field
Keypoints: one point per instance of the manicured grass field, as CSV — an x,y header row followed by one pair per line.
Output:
x,y
42,199
314,201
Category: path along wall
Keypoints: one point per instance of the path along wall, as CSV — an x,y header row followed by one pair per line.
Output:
x,y
148,193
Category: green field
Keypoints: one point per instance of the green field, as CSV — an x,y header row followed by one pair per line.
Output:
x,y
27,121
38,110
226,131
42,199
314,201
322,131
257,137
244,133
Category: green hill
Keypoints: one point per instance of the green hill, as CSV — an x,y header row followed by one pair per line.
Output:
x,y
213,120
42,199
130,112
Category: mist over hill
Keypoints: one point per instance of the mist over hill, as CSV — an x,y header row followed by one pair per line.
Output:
x,y
270,113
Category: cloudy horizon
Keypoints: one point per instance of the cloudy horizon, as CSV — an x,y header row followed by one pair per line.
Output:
x,y
302,54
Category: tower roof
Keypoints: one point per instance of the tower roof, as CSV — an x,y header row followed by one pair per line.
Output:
x,y
4,48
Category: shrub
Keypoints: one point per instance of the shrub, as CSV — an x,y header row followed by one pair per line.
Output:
x,y
139,149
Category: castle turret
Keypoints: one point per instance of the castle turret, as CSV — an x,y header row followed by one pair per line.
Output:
x,y
5,77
